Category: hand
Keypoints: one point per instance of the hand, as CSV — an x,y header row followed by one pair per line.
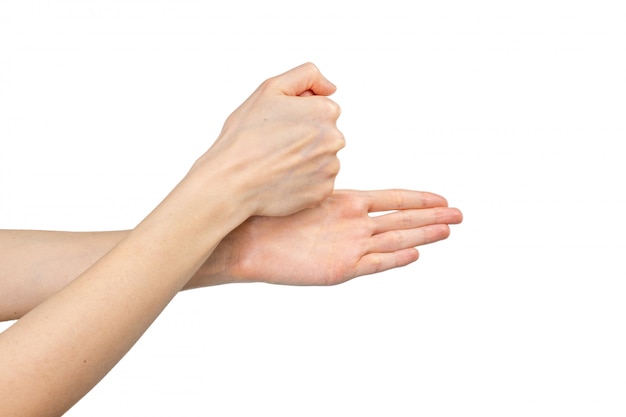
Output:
x,y
332,242
280,146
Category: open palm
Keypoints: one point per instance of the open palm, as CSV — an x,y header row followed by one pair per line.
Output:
x,y
336,240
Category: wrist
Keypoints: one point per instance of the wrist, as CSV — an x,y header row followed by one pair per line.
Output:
x,y
194,217
225,178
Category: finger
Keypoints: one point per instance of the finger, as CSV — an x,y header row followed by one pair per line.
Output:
x,y
402,239
397,199
373,263
305,79
414,218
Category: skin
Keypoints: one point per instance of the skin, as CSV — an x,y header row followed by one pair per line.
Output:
x,y
59,350
328,244
263,190
335,241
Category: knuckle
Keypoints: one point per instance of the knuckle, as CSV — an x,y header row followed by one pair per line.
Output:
x,y
439,215
340,141
396,238
266,86
334,109
334,167
406,219
311,68
335,140
398,199
327,108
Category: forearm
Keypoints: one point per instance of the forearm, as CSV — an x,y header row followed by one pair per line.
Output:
x,y
62,348
276,155
36,264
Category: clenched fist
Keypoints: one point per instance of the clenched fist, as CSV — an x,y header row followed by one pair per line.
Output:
x,y
279,148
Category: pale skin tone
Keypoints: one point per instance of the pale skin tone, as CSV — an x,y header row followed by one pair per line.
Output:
x,y
83,299
328,244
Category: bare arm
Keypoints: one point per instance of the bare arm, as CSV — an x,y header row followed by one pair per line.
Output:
x,y
295,250
57,352
35,264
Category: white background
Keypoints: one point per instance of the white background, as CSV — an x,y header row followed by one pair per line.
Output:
x,y
514,111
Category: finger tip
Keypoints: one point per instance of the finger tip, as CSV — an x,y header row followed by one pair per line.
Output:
x,y
458,215
436,200
411,255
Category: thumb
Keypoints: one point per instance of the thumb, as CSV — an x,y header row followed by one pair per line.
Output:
x,y
305,79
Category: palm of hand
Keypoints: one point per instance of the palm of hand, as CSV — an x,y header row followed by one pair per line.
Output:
x,y
337,240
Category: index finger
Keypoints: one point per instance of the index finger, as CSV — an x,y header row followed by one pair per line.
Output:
x,y
306,79
399,199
